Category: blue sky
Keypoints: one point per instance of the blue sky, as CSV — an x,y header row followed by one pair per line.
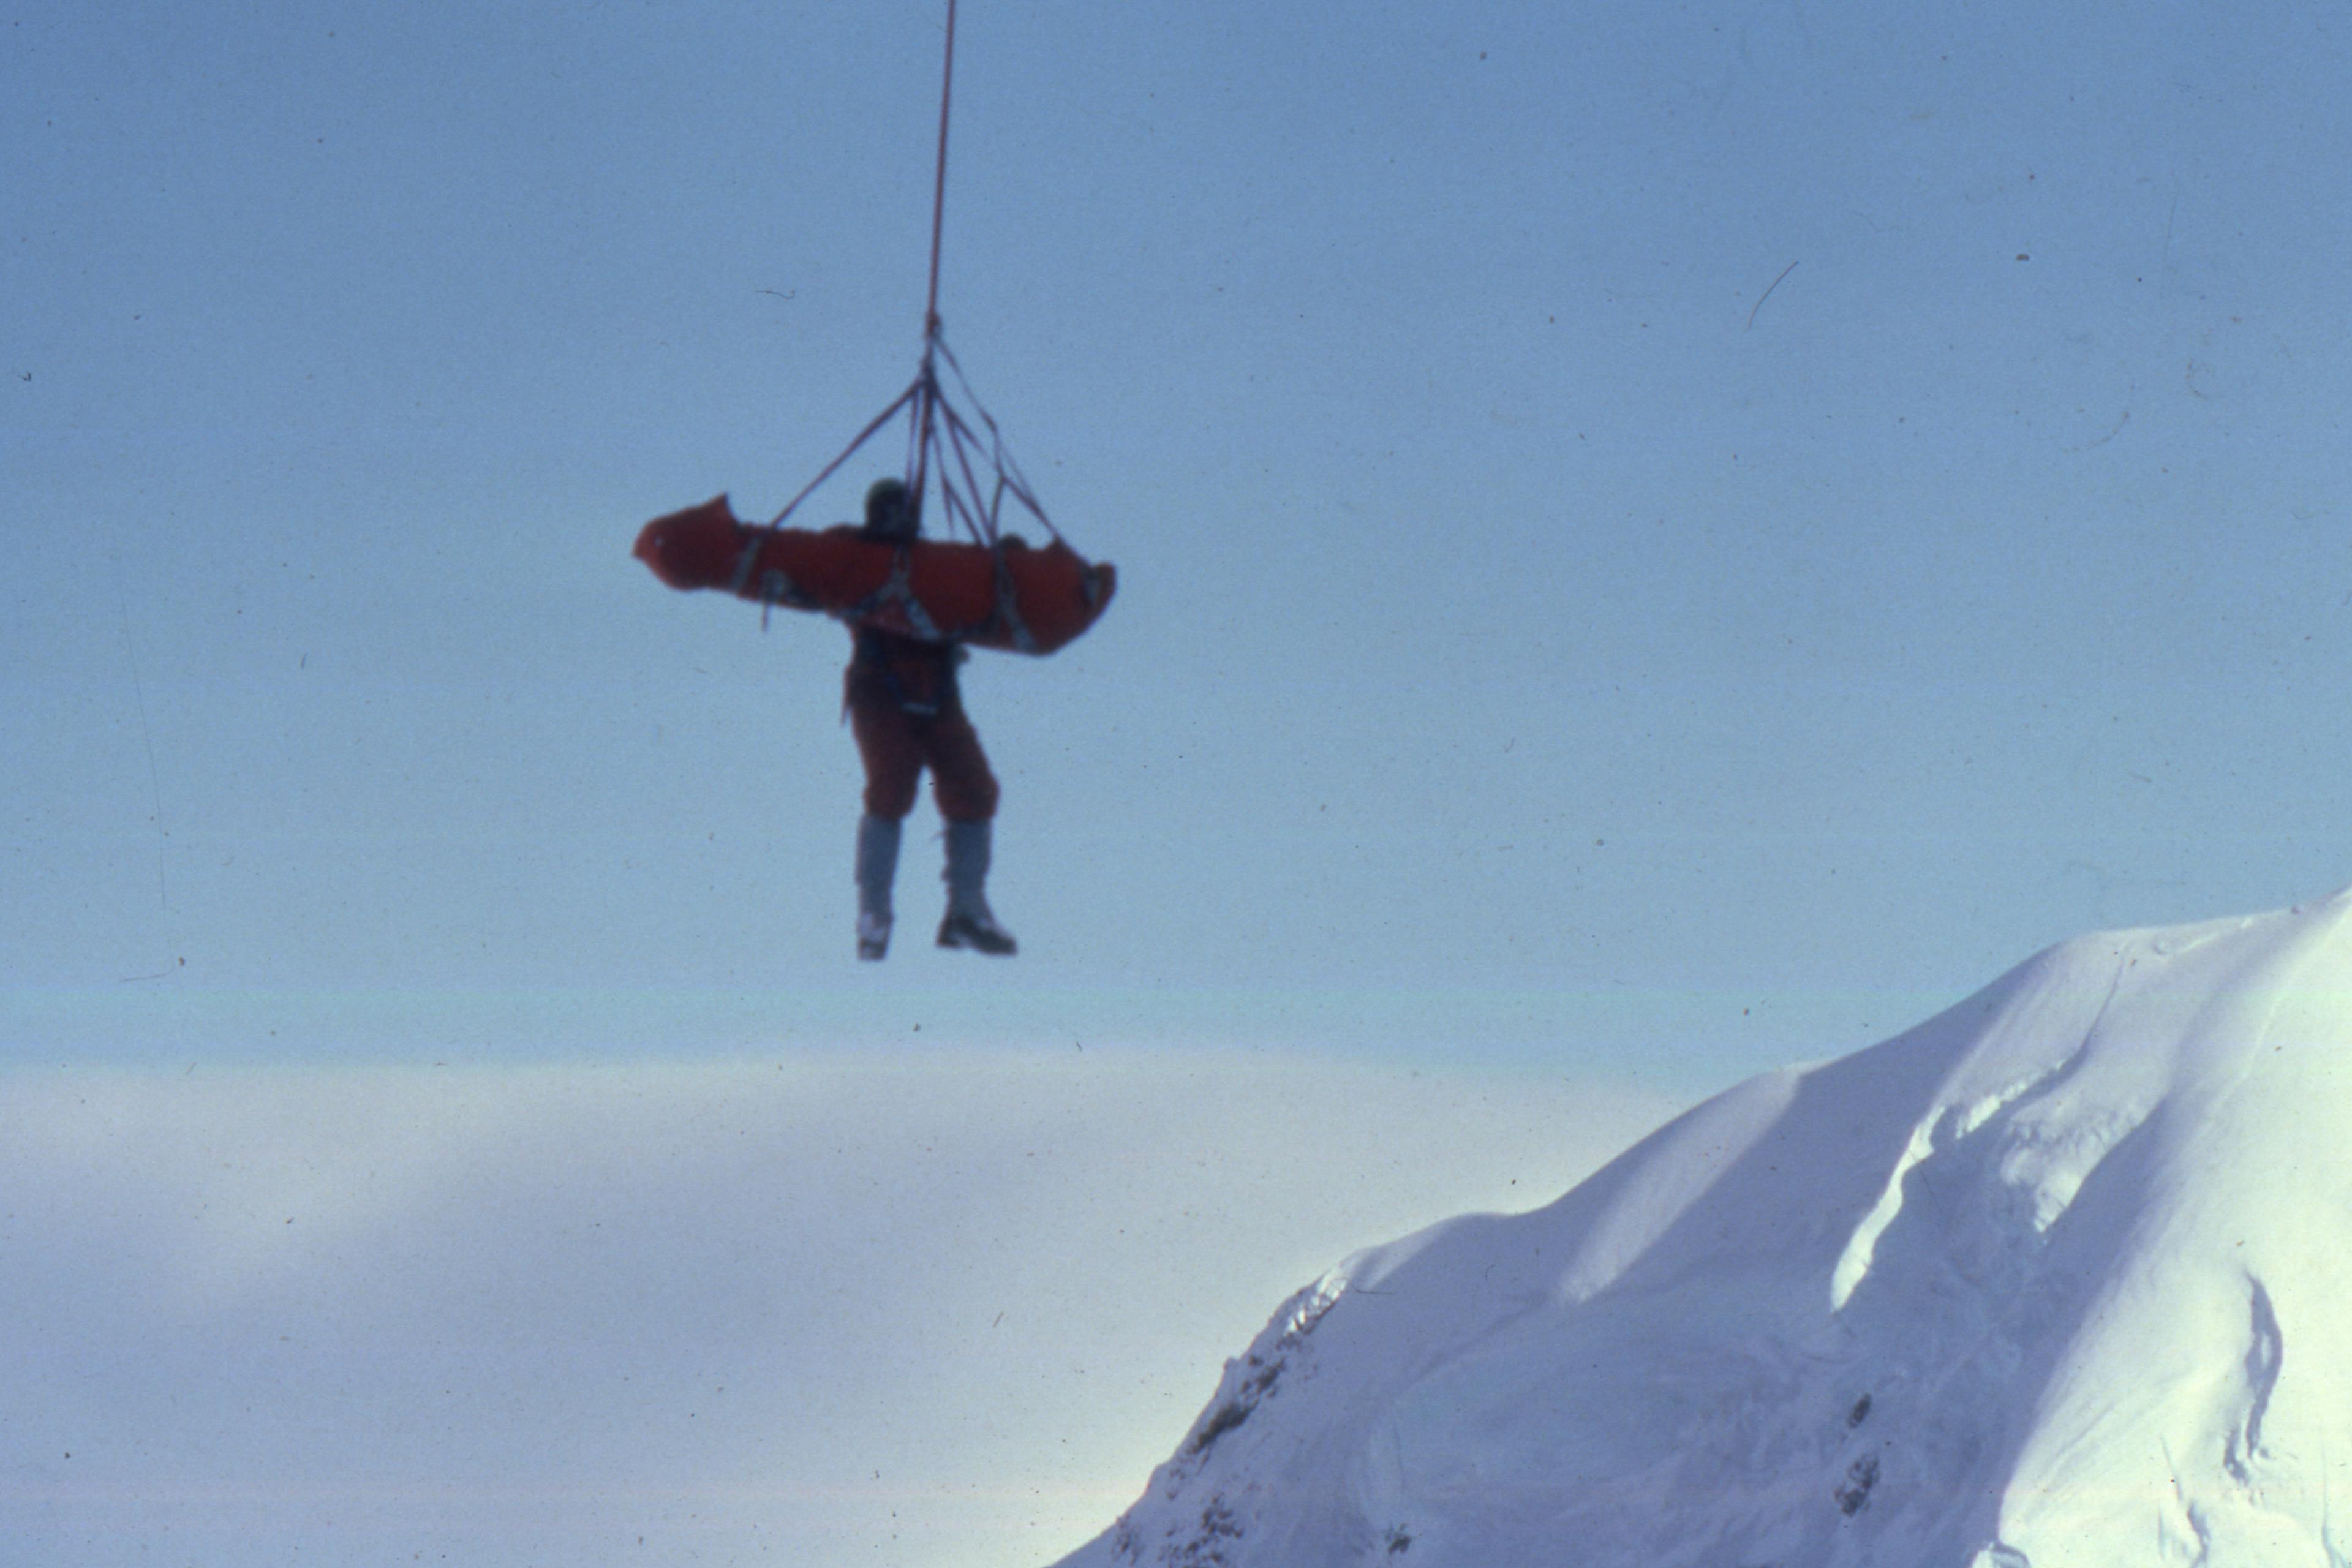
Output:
x,y
1655,541
1516,600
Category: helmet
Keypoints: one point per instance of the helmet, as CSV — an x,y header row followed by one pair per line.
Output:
x,y
890,511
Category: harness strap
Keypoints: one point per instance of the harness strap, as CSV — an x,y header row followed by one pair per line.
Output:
x,y
749,558
897,591
1008,607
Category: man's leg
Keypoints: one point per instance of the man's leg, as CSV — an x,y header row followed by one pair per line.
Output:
x,y
878,866
893,754
966,792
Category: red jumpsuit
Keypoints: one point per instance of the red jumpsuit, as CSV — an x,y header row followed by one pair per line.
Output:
x,y
907,715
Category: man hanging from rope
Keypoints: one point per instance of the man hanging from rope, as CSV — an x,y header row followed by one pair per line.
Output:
x,y
904,707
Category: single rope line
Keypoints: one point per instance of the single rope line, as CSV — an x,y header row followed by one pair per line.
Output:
x,y
927,381
847,453
939,183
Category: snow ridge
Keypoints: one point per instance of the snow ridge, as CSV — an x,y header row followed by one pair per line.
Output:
x,y
2013,1289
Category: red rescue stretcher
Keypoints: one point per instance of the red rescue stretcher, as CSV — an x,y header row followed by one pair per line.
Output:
x,y
1014,597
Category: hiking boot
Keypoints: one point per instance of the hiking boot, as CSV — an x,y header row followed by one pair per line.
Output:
x,y
969,922
978,932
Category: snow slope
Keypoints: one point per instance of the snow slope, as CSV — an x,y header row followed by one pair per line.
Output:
x,y
2060,1278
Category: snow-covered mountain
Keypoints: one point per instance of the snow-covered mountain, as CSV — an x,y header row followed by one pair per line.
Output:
x,y
2060,1278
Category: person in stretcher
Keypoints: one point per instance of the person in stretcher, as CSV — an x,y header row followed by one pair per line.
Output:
x,y
913,607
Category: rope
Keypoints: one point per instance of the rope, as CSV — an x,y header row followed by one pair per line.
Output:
x,y
846,452
1008,473
939,183
927,382
938,435
971,479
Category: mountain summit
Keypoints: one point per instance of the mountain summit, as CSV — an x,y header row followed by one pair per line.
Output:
x,y
2060,1278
